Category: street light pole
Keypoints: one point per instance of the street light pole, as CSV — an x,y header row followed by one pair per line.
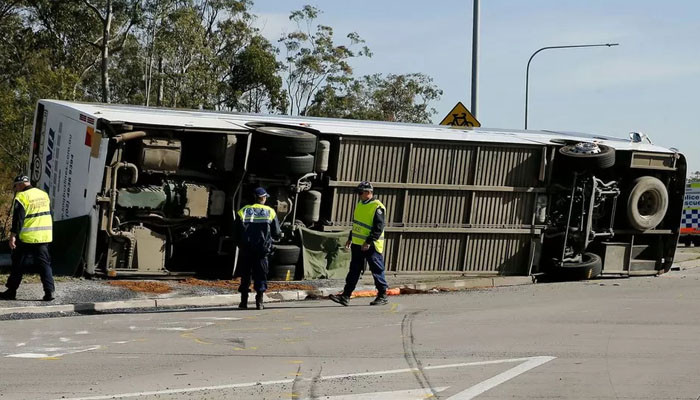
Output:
x,y
475,59
527,71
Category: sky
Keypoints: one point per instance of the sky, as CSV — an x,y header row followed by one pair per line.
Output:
x,y
650,83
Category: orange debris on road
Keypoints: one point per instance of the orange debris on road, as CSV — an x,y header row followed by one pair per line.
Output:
x,y
141,286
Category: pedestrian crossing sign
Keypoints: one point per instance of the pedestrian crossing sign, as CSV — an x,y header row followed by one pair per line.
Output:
x,y
460,116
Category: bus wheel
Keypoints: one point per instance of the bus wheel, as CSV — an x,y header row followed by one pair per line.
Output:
x,y
647,203
299,164
286,254
290,141
282,272
589,267
586,156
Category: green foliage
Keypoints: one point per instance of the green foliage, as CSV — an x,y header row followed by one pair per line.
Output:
x,y
400,98
313,59
183,53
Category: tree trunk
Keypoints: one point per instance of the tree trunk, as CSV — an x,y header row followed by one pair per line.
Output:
x,y
159,102
105,53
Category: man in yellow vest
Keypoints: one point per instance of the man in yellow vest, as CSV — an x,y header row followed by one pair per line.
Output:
x,y
366,241
258,225
31,233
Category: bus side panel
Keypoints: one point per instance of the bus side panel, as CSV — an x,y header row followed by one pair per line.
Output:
x,y
68,159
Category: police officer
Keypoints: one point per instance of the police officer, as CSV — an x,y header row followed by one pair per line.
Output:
x,y
366,241
258,225
31,234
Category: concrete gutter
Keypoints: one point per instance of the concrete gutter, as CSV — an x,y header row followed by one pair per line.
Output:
x,y
232,300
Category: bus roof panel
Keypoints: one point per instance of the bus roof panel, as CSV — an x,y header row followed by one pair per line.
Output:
x,y
219,120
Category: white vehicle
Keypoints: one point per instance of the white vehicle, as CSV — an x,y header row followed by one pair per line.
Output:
x,y
143,191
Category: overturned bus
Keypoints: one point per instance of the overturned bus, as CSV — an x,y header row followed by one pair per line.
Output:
x,y
150,191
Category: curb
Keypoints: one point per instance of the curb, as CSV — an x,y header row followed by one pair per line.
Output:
x,y
270,297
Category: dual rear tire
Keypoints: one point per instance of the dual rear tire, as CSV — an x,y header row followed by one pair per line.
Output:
x,y
283,151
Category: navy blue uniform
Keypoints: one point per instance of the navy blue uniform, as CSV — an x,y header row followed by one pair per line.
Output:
x,y
258,226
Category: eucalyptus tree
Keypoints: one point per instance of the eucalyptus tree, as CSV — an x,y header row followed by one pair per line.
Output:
x,y
399,98
313,59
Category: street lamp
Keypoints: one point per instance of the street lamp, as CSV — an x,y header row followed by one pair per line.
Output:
x,y
527,72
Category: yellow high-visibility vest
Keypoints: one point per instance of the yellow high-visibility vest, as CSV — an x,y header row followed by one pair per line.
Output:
x,y
257,214
363,219
38,226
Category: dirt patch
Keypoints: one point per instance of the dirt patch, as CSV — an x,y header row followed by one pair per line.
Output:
x,y
141,286
234,283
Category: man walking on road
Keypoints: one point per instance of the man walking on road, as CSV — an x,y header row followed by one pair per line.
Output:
x,y
31,233
258,225
366,241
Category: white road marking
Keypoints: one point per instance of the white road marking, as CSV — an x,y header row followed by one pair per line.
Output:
x,y
82,333
64,339
491,383
173,328
61,352
28,355
528,363
220,318
21,344
413,394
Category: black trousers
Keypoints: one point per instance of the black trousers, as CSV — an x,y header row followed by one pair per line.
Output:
x,y
42,259
252,264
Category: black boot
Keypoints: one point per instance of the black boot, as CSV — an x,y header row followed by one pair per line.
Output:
x,y
340,299
244,301
380,300
48,296
8,294
259,300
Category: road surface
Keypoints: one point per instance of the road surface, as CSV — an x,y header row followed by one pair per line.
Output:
x,y
633,338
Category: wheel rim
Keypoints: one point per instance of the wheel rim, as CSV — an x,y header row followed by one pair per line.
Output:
x,y
648,203
586,148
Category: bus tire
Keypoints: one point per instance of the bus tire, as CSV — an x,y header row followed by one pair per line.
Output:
x,y
282,272
589,267
287,140
647,203
286,254
300,164
587,161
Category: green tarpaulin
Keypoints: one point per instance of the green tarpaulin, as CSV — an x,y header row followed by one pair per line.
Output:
x,y
69,239
324,254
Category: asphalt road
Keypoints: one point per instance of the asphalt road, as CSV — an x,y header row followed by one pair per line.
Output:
x,y
605,339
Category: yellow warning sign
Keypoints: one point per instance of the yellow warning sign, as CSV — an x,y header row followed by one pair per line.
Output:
x,y
460,116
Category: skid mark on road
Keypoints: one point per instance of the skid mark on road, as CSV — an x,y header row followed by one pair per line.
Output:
x,y
409,352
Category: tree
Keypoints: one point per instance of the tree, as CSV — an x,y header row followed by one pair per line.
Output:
x,y
400,98
254,82
117,15
313,59
84,36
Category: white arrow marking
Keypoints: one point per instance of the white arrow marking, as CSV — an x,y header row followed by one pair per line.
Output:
x,y
413,394
525,363
491,383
